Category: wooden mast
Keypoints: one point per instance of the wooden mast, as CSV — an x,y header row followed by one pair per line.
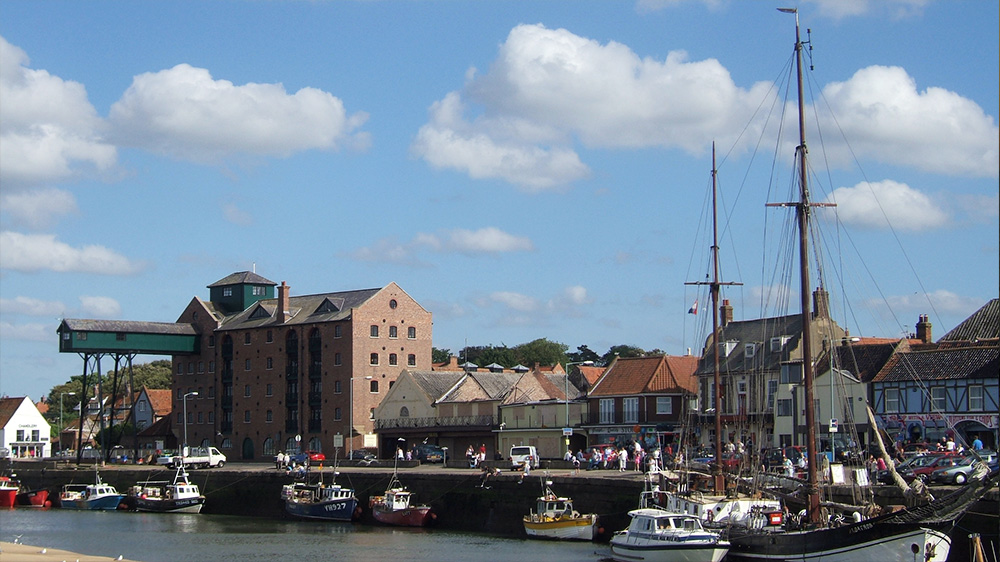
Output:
x,y
805,290
718,479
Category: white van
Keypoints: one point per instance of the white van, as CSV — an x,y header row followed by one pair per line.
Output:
x,y
520,454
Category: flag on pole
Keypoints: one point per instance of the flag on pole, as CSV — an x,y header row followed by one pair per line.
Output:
x,y
694,308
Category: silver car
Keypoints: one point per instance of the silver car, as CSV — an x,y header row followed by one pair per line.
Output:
x,y
959,473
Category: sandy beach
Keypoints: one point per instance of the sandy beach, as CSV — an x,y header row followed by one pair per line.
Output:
x,y
10,552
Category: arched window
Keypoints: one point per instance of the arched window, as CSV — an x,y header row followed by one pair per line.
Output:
x,y
268,450
290,446
315,444
404,412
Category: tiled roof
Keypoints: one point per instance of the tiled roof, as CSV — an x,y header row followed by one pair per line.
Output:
x,y
305,309
7,408
590,373
984,324
242,277
864,361
160,427
638,375
535,386
435,383
758,331
161,400
132,327
972,362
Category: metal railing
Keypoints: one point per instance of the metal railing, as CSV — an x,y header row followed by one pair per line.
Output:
x,y
455,421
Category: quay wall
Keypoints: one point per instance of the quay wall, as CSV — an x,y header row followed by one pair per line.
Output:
x,y
459,498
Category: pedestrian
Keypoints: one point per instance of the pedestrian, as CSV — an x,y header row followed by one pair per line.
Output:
x,y
951,444
576,465
977,444
789,467
568,456
469,453
622,459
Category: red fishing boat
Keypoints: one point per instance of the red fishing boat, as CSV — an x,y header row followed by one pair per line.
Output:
x,y
34,498
9,489
394,508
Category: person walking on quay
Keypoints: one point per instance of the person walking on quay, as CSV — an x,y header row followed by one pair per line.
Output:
x,y
622,459
576,465
977,444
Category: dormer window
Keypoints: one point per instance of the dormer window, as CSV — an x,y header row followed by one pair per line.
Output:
x,y
227,291
749,350
778,343
727,347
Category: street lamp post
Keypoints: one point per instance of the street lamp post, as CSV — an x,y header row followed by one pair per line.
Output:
x,y
61,394
184,402
566,390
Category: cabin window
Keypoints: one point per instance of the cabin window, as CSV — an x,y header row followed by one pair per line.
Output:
x,y
227,291
119,336
81,336
976,398
258,291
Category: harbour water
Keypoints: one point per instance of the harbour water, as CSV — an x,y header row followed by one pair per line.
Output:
x,y
150,537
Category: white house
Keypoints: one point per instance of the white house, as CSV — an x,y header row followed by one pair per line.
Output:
x,y
24,433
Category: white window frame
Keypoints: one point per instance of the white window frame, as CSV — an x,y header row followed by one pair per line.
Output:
x,y
892,393
607,410
664,405
939,398
976,403
630,409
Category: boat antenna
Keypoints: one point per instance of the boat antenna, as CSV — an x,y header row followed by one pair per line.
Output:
x,y
718,479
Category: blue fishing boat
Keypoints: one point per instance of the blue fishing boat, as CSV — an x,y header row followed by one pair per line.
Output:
x,y
318,500
96,496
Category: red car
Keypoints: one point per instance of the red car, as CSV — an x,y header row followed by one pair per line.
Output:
x,y
923,472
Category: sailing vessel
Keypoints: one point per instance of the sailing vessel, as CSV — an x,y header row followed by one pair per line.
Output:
x,y
916,533
177,496
555,518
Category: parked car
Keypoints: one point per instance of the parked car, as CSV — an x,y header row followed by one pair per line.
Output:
x,y
924,471
523,454
774,457
428,453
363,455
959,473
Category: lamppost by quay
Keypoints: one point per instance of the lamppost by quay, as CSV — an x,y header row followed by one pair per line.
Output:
x,y
185,406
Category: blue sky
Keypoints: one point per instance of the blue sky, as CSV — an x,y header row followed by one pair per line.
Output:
x,y
522,169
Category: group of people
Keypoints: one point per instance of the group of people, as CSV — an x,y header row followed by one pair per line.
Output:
x,y
475,457
621,457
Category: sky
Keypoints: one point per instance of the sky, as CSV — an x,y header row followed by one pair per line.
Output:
x,y
523,170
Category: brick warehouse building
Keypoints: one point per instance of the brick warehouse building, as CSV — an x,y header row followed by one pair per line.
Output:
x,y
270,368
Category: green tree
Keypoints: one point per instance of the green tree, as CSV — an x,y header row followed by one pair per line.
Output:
x,y
583,353
541,351
440,355
622,351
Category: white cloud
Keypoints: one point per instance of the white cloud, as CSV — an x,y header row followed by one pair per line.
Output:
x,y
32,307
549,89
37,252
885,117
27,332
232,213
943,301
185,113
100,307
838,9
38,208
515,301
487,240
50,129
884,203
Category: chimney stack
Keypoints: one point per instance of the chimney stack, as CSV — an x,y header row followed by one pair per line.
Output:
x,y
282,303
924,329
821,303
725,312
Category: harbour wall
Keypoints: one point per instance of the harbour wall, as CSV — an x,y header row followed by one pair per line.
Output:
x,y
460,498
